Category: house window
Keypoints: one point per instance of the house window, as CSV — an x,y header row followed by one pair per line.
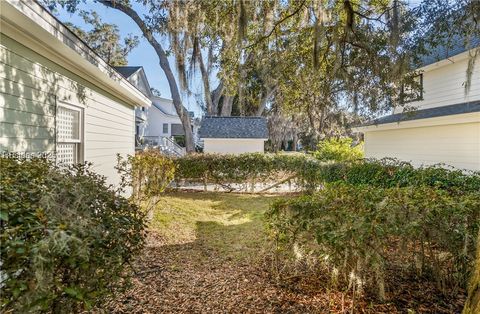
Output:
x,y
69,135
165,128
413,91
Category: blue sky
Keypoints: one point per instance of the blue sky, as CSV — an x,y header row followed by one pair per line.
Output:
x,y
143,55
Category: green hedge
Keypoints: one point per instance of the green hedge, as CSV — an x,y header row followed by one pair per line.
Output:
x,y
338,149
311,173
361,234
67,237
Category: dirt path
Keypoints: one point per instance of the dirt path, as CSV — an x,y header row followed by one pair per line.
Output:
x,y
206,254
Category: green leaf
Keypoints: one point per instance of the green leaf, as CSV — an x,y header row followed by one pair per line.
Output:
x,y
4,215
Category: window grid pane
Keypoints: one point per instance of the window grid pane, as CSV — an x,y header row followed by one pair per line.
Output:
x,y
68,125
67,154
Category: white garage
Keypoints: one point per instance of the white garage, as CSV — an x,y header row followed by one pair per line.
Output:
x,y
444,128
234,135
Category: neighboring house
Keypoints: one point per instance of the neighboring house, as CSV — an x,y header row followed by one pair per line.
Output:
x,y
445,127
158,125
57,97
233,135
137,77
162,119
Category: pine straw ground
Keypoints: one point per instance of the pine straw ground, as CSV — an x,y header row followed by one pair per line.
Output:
x,y
207,253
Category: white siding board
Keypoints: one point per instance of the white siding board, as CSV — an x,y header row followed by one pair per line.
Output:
x,y
444,85
457,145
26,144
21,104
26,131
31,85
26,118
233,145
71,92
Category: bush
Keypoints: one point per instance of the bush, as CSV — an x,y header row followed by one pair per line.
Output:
x,y
244,168
66,237
338,149
360,233
390,172
148,173
311,174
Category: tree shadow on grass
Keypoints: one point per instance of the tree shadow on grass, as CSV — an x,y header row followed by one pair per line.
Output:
x,y
223,262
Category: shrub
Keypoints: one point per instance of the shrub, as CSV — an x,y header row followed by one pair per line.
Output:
x,y
390,172
359,233
66,237
311,174
338,149
244,168
148,173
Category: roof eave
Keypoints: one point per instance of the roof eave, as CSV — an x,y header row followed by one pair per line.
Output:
x,y
33,21
470,117
450,60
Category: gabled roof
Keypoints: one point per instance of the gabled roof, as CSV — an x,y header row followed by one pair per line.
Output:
x,y
159,108
467,107
234,127
127,71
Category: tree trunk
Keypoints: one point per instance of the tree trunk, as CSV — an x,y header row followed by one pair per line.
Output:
x,y
205,79
217,94
163,60
227,106
264,100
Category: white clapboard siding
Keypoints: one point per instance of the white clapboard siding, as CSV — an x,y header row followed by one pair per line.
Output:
x,y
444,85
457,145
233,145
31,87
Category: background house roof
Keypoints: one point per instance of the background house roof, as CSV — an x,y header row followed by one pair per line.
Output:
x,y
234,127
467,107
127,71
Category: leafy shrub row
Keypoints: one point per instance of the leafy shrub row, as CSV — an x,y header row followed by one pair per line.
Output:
x,y
363,235
66,237
311,173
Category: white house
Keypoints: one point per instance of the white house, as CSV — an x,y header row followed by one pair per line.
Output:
x,y
445,127
158,125
161,119
233,135
57,97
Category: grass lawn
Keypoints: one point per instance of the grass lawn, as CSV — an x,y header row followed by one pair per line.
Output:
x,y
232,225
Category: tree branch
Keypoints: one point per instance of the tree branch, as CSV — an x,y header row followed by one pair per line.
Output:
x,y
276,25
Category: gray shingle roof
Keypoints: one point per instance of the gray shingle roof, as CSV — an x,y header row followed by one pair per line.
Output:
x,y
233,127
441,52
467,107
127,71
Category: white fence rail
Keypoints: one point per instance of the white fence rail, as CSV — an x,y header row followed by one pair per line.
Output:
x,y
165,144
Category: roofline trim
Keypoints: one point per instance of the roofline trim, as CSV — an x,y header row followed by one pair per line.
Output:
x,y
39,26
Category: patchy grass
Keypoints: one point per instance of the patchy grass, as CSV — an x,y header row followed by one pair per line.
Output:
x,y
231,225
205,254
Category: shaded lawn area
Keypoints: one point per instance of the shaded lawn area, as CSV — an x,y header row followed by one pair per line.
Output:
x,y
209,253
231,225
